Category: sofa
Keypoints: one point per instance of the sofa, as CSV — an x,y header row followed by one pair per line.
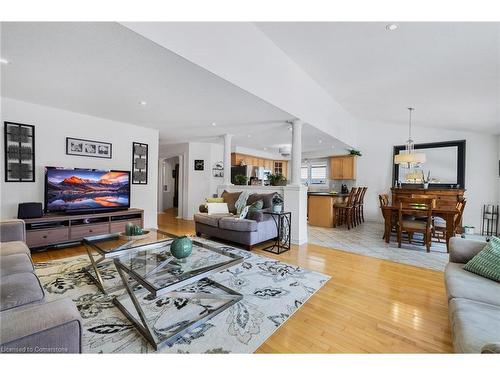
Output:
x,y
29,323
473,301
256,228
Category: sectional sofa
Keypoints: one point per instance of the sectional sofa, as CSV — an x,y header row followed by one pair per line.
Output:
x,y
473,301
29,323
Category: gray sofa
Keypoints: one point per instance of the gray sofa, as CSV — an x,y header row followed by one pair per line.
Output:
x,y
257,228
473,301
28,323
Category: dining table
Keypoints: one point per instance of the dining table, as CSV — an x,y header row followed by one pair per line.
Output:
x,y
447,213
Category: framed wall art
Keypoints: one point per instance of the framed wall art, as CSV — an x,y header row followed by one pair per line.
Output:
x,y
199,165
139,163
19,146
86,147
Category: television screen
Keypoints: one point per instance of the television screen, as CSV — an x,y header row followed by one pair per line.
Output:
x,y
86,190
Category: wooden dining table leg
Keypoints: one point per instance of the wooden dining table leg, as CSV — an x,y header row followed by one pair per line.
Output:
x,y
449,229
387,225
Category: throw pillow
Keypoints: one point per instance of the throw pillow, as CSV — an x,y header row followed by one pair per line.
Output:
x,y
230,199
217,208
215,200
244,212
267,199
256,206
486,263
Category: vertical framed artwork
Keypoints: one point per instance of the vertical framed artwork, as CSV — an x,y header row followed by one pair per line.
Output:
x,y
139,163
19,147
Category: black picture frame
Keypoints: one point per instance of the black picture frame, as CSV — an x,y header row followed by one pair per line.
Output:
x,y
140,163
199,165
89,148
461,149
19,152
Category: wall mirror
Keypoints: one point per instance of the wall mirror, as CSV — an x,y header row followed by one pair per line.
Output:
x,y
444,160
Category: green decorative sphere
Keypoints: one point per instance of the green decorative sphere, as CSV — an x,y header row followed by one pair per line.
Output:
x,y
181,247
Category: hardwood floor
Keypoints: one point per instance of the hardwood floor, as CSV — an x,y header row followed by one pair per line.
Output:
x,y
369,305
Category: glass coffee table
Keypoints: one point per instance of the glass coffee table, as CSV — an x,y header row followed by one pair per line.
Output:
x,y
166,298
102,249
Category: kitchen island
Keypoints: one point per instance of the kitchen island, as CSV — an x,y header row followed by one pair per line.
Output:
x,y
320,211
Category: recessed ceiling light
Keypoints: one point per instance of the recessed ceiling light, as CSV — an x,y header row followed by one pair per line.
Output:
x,y
320,141
214,124
143,103
249,135
265,148
4,61
391,26
290,128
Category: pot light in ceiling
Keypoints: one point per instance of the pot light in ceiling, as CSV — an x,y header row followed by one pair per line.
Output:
x,y
290,128
320,141
391,26
4,61
265,148
143,103
214,124
249,135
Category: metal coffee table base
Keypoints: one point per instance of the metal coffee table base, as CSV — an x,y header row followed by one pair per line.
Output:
x,y
139,319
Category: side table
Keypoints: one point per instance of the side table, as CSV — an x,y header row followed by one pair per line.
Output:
x,y
283,221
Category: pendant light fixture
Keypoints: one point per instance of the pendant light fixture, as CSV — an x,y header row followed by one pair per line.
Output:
x,y
409,158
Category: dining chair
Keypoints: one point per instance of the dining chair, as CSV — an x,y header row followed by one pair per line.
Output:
x,y
344,212
360,208
439,224
417,207
356,214
384,201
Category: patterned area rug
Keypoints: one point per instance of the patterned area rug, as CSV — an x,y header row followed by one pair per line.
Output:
x,y
272,291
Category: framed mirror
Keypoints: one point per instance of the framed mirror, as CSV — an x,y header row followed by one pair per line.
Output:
x,y
445,163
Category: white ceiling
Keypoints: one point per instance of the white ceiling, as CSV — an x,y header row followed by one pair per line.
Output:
x,y
105,70
450,72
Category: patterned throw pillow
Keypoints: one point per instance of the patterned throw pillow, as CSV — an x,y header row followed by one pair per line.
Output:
x,y
487,262
256,206
244,212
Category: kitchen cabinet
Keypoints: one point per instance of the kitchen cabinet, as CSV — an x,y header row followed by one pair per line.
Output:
x,y
343,167
275,166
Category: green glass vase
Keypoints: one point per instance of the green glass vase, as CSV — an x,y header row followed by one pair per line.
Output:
x,y
181,247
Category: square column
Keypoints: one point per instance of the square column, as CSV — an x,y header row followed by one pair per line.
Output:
x,y
227,159
295,197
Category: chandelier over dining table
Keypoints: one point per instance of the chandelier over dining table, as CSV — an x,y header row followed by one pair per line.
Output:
x,y
409,158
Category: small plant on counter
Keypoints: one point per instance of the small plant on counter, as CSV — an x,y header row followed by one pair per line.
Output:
x,y
354,152
277,179
239,179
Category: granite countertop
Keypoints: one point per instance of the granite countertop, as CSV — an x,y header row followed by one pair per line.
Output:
x,y
326,194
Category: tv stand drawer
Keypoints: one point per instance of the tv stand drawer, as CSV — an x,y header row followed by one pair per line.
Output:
x,y
79,231
119,226
44,237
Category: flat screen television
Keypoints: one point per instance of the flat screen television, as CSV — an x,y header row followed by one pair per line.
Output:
x,y
86,190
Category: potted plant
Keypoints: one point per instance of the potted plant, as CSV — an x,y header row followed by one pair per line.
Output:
x,y
239,179
277,179
425,181
354,152
277,203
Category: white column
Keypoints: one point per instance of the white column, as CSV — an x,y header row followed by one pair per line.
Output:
x,y
296,151
227,158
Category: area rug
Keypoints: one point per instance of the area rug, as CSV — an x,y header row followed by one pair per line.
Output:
x,y
272,291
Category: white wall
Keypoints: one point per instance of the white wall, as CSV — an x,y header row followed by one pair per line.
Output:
x,y
52,126
376,143
196,185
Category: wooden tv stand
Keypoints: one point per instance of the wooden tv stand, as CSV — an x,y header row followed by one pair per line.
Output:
x,y
56,229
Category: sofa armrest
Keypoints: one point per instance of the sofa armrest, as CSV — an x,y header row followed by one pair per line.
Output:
x,y
462,250
52,327
491,348
12,230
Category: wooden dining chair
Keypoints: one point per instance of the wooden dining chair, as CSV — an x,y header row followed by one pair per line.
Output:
x,y
360,208
439,224
345,211
416,207
384,201
356,215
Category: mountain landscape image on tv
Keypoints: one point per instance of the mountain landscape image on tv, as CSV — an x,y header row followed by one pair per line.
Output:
x,y
82,190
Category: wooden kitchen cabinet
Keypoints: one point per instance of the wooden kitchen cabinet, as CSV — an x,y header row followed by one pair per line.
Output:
x,y
275,166
343,167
